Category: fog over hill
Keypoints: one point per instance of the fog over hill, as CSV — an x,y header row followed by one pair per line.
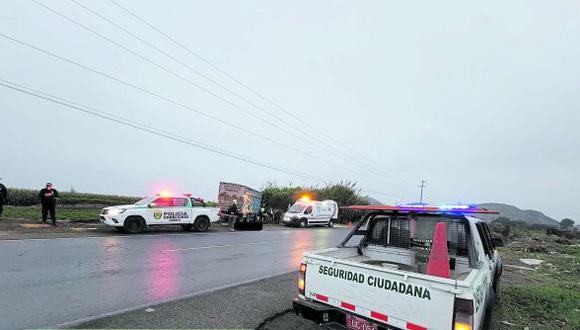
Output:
x,y
531,217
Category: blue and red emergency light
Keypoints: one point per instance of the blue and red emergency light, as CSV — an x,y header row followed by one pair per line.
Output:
x,y
422,208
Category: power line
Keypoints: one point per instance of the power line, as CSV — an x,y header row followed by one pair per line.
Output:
x,y
253,91
177,76
140,89
169,100
142,127
152,130
294,116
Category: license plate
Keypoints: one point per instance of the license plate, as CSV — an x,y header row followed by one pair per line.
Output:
x,y
356,323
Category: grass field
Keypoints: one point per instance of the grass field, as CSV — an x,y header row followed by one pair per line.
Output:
x,y
29,197
84,214
545,298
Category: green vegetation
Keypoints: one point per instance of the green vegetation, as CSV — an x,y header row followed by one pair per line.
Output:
x,y
344,193
90,214
541,307
545,298
29,197
567,223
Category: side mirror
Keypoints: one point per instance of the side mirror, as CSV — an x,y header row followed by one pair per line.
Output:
x,y
152,205
497,241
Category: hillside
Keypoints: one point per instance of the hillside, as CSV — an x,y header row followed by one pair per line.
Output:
x,y
373,201
531,217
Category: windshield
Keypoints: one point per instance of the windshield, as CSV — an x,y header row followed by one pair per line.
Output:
x,y
144,201
297,208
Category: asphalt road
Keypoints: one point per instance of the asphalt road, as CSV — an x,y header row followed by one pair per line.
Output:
x,y
263,304
60,282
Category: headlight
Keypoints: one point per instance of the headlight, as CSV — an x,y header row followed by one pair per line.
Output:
x,y
114,212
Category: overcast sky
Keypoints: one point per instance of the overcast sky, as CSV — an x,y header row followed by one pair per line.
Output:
x,y
480,99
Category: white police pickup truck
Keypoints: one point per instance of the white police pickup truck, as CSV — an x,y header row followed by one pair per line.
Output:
x,y
189,213
405,267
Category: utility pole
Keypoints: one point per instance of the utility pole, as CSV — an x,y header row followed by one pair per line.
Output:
x,y
422,186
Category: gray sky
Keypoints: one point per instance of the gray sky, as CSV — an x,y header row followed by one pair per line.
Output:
x,y
480,99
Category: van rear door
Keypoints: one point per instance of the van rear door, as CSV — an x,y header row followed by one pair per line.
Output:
x,y
391,297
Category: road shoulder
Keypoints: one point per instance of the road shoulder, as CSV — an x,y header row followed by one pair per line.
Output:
x,y
264,303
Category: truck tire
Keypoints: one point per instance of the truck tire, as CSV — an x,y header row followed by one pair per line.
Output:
x,y
201,224
486,325
134,225
496,290
330,224
303,223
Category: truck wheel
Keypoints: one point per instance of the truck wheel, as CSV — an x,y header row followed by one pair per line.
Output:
x,y
201,224
134,225
487,318
187,227
496,290
303,223
330,224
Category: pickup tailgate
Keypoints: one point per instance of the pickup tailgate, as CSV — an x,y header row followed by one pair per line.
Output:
x,y
385,296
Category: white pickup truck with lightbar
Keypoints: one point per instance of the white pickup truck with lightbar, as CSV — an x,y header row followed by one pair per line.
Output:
x,y
190,213
410,267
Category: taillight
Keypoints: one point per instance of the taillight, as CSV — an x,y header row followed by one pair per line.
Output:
x,y
302,279
463,318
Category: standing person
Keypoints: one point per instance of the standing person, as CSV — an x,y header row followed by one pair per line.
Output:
x,y
232,214
48,198
3,196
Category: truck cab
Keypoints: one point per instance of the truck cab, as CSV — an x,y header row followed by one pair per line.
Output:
x,y
405,268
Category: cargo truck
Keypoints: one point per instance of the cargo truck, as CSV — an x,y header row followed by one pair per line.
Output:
x,y
247,203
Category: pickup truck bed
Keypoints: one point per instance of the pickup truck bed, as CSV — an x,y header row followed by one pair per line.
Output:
x,y
353,283
390,278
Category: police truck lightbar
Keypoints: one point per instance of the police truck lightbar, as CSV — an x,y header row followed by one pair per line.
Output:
x,y
422,208
164,193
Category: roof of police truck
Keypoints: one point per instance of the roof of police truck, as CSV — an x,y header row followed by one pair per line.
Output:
x,y
422,208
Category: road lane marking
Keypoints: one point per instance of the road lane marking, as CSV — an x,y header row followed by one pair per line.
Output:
x,y
218,246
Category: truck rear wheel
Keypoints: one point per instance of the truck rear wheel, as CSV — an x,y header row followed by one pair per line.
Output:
x,y
496,290
201,224
133,225
488,313
330,224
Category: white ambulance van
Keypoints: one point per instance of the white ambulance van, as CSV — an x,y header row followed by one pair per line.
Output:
x,y
306,212
401,267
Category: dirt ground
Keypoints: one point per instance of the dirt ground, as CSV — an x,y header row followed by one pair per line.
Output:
x,y
26,229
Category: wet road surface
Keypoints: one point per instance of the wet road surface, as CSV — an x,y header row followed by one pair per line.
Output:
x,y
52,282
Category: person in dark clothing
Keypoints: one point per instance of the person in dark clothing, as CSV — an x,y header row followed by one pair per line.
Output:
x,y
232,214
3,197
48,198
